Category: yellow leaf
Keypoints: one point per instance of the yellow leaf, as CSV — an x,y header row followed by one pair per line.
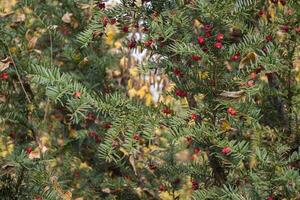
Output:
x,y
250,57
133,71
225,125
84,165
203,75
132,93
149,99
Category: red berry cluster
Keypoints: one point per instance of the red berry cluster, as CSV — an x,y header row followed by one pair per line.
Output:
x,y
232,111
93,134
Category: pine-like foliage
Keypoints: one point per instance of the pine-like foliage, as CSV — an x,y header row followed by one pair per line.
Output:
x,y
234,134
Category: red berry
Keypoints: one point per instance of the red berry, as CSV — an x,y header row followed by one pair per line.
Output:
x,y
132,44
77,94
90,117
200,40
92,134
218,45
125,29
220,37
28,150
270,198
208,27
148,43
232,111
162,188
189,139
136,136
261,13
177,72
113,21
196,150
180,93
195,185
205,49
196,58
107,125
194,116
285,28
269,38
208,34
105,21
235,57
250,83
253,75
297,29
274,1
176,181
38,198
101,5
226,150
4,76
152,167
167,110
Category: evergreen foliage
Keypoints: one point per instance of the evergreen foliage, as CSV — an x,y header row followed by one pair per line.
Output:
x,y
235,69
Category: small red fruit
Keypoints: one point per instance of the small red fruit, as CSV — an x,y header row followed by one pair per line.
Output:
x,y
77,94
125,29
270,198
231,111
107,125
197,150
167,110
90,117
208,35
189,139
195,185
218,45
148,43
200,40
162,188
196,58
226,150
297,29
28,150
285,28
177,72
220,37
250,83
105,21
38,198
194,116
113,21
136,136
269,38
101,5
4,76
92,134
132,44
235,57
253,75
208,27
261,13
180,93
152,167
